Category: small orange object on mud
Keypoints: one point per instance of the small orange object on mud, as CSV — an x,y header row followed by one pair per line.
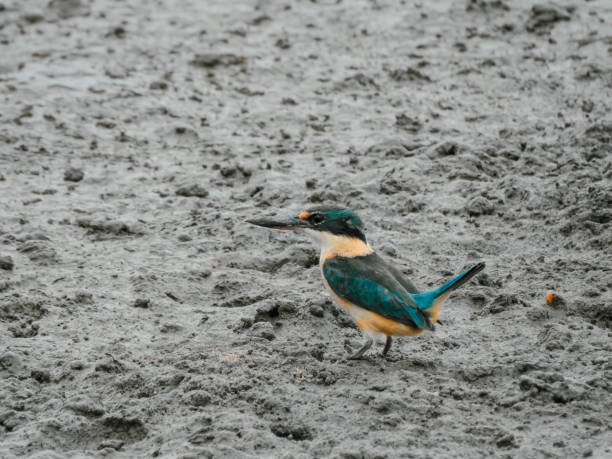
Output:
x,y
555,301
304,215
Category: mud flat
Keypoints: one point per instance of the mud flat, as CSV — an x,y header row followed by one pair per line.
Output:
x,y
141,317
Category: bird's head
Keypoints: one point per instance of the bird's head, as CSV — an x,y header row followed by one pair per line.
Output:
x,y
322,222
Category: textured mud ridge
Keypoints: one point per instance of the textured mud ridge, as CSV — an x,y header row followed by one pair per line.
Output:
x,y
140,316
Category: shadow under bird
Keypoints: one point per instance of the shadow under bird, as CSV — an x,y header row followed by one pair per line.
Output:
x,y
375,293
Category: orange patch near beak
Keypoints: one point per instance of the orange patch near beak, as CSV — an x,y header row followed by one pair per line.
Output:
x,y
304,215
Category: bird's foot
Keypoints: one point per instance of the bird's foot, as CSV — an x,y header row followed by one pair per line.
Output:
x,y
359,354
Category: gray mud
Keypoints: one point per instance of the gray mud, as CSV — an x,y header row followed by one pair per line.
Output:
x,y
141,317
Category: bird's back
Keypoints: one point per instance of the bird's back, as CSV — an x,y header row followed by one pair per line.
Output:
x,y
371,283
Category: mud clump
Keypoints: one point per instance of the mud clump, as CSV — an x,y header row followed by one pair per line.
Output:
x,y
291,431
85,406
6,263
408,74
105,227
39,249
74,175
198,398
480,205
263,330
193,190
143,303
544,16
25,329
216,60
408,123
17,309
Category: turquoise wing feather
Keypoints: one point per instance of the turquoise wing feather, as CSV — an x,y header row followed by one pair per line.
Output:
x,y
371,285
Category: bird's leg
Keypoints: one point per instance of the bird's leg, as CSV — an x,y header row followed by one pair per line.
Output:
x,y
387,346
359,354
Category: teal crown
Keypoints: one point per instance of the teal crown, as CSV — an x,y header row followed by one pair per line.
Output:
x,y
336,220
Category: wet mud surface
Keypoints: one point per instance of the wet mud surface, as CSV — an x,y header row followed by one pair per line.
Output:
x,y
141,317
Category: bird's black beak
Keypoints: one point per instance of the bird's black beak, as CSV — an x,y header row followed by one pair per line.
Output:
x,y
292,223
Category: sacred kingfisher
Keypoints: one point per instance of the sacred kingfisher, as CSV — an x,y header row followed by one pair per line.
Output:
x,y
375,293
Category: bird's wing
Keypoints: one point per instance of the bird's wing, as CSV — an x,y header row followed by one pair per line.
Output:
x,y
373,287
396,273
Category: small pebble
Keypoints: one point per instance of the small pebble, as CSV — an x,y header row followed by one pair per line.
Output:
x,y
142,303
73,175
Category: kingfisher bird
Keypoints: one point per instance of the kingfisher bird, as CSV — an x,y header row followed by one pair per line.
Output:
x,y
381,301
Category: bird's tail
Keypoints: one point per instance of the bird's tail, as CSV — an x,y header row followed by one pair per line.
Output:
x,y
427,299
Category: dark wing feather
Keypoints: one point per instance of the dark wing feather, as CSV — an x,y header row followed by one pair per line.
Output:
x,y
375,260
373,286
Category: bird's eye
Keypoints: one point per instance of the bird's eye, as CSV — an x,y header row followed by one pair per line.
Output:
x,y
316,218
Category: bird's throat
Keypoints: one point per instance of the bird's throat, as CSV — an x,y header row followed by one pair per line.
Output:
x,y
342,246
